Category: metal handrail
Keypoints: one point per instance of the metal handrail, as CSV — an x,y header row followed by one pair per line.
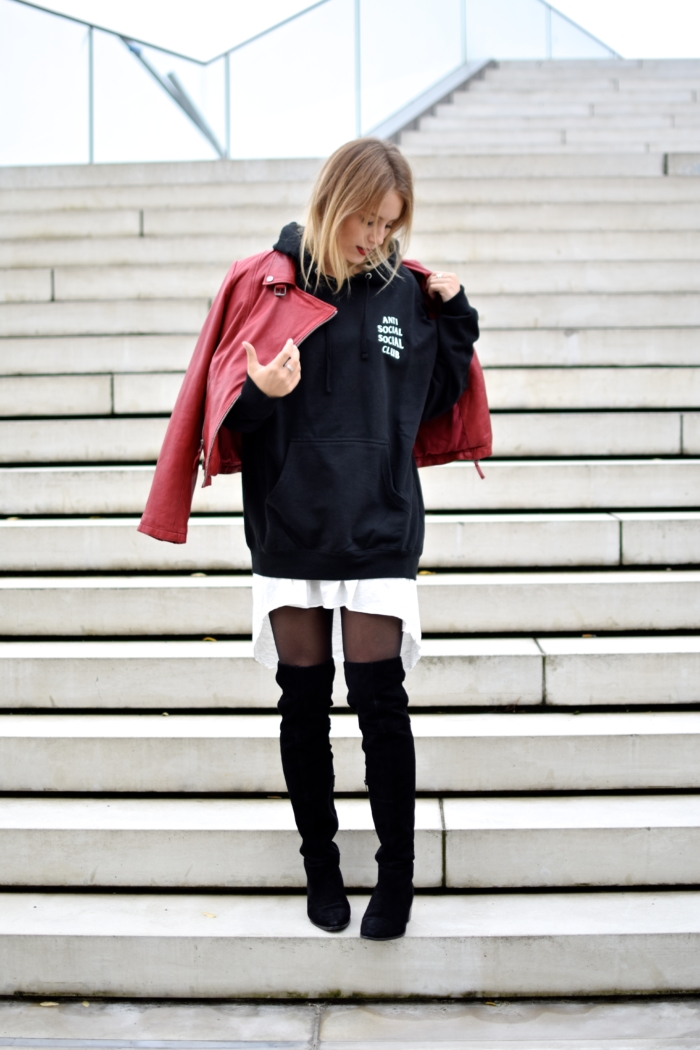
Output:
x,y
408,116
166,50
174,88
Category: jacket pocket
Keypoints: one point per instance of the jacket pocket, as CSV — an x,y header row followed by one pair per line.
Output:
x,y
336,497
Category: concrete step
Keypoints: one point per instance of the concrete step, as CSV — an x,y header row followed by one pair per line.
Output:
x,y
128,251
54,355
200,753
20,286
662,150
691,432
546,842
499,348
145,316
589,347
634,123
624,670
566,68
646,535
253,843
219,544
144,222
488,603
259,222
412,1025
506,245
484,277
525,389
428,190
446,190
611,80
465,541
219,946
466,120
566,102
81,175
241,843
434,218
167,195
186,316
589,434
137,282
105,222
534,389
637,119
510,485
89,395
176,675
572,311
481,278
679,140
515,434
443,189
536,90
160,173
57,395
575,108
81,440
452,672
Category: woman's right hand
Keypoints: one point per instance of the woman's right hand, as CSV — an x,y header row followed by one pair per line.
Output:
x,y
279,377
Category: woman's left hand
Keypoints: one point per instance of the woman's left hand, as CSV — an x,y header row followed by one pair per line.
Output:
x,y
446,285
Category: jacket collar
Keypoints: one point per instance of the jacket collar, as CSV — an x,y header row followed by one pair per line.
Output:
x,y
278,269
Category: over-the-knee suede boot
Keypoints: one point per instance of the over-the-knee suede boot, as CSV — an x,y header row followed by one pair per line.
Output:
x,y
307,761
376,692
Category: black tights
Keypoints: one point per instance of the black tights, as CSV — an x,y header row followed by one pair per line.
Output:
x,y
303,636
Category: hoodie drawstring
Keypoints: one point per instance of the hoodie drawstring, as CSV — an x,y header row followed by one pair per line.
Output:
x,y
363,335
328,359
364,353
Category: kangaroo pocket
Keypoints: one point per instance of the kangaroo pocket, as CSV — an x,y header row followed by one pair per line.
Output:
x,y
336,497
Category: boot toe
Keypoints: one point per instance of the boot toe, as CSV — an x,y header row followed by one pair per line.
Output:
x,y
330,917
389,910
384,927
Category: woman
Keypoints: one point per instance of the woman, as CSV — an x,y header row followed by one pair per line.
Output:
x,y
333,510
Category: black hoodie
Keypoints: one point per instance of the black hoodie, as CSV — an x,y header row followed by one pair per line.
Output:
x,y
330,486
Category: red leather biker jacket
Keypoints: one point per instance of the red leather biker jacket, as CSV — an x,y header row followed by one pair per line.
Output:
x,y
259,302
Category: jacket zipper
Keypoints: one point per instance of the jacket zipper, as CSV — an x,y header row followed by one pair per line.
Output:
x,y
221,421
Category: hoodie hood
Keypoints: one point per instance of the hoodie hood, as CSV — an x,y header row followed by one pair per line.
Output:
x,y
289,243
365,282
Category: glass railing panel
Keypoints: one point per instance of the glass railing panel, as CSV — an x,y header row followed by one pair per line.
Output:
x,y
570,41
506,29
43,88
293,92
204,84
406,46
135,120
292,96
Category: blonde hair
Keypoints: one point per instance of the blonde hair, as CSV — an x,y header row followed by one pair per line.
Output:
x,y
355,178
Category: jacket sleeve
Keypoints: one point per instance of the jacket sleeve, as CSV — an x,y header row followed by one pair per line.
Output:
x,y
250,410
170,499
457,330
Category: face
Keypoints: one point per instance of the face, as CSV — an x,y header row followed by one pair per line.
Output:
x,y
360,233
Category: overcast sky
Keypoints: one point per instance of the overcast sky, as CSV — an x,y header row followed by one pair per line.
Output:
x,y
635,28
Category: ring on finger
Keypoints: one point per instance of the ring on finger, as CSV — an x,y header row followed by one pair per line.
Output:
x,y
439,275
288,366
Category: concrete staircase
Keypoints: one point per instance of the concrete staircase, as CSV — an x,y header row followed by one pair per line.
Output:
x,y
557,720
